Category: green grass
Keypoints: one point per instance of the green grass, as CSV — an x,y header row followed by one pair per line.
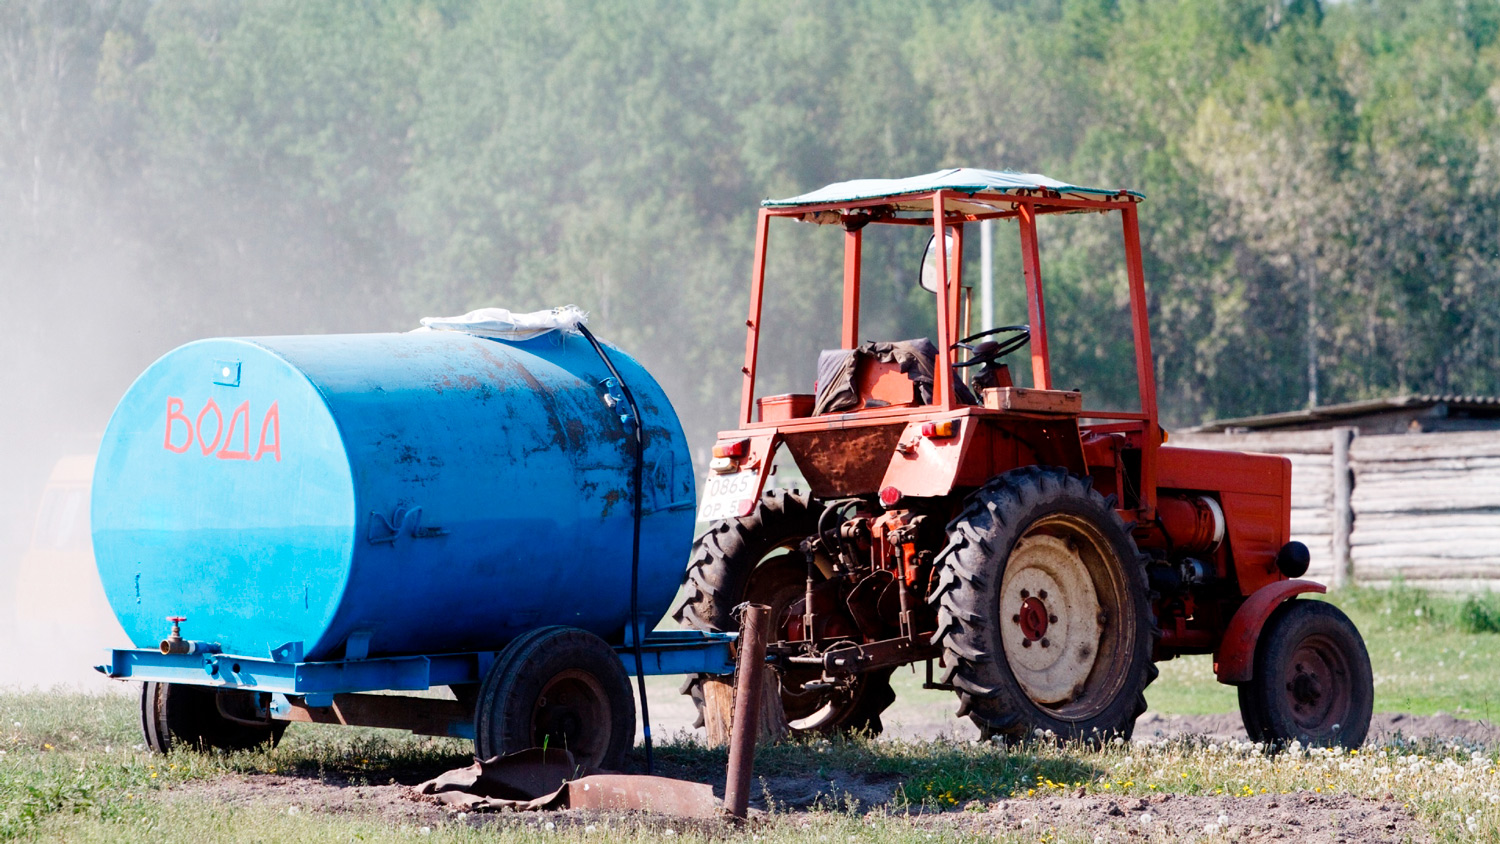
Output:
x,y
69,774
71,766
1430,653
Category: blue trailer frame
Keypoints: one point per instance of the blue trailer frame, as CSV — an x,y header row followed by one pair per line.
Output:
x,y
292,684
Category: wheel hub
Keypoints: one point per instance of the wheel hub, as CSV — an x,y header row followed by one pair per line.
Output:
x,y
1305,688
1051,622
1033,618
572,713
1316,686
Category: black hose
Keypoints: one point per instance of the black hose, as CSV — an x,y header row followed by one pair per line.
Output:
x,y
635,541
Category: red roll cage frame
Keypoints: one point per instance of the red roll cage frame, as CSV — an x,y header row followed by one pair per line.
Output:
x,y
1025,206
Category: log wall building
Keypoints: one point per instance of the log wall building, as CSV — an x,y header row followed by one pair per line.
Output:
x,y
1403,488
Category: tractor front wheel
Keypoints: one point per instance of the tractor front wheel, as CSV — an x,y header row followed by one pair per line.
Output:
x,y
1043,610
1312,680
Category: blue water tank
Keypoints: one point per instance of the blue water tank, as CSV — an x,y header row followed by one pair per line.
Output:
x,y
426,492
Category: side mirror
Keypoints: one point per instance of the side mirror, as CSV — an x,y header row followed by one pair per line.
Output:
x,y
927,279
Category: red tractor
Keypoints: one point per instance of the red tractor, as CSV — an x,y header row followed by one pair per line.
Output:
x,y
1045,555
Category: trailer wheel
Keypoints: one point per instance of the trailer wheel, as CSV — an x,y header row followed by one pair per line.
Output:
x,y
557,687
1312,680
754,559
176,714
1044,611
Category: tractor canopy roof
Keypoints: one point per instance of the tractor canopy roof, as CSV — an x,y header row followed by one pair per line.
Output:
x,y
960,180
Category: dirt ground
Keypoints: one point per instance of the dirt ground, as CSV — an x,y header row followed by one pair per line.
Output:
x,y
1307,818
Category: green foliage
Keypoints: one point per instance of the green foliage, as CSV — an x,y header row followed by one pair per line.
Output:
x,y
1400,606
1403,607
1479,615
1323,179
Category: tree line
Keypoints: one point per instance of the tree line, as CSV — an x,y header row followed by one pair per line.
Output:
x,y
1322,180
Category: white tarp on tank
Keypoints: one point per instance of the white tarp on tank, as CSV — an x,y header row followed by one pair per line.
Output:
x,y
503,324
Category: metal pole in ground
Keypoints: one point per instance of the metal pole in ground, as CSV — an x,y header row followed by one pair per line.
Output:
x,y
755,628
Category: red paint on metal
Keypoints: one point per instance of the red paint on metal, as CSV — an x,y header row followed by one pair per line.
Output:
x,y
942,394
208,448
175,414
752,322
270,424
1188,522
850,334
1234,660
785,407
1255,492
955,298
240,413
1145,372
841,462
224,433
1031,267
928,467
1033,618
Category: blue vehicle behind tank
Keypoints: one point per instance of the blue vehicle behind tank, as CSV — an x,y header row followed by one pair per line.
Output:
x,y
283,524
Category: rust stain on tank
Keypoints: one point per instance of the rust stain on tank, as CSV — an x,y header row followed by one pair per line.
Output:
x,y
611,498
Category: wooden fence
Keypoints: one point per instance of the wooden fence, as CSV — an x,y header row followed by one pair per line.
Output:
x,y
1421,507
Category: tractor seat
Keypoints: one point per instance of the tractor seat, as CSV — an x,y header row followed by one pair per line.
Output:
x,y
887,374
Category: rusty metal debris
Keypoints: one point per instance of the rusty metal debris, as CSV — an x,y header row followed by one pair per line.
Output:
x,y
545,780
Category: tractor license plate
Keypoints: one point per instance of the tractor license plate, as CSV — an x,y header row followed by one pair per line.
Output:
x,y
724,496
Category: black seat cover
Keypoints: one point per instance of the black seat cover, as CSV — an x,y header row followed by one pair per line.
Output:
x,y
838,368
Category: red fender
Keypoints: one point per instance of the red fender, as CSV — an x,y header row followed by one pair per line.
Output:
x,y
1234,661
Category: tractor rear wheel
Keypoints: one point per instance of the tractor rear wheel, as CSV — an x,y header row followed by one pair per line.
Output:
x,y
1312,680
755,559
1044,611
180,715
560,688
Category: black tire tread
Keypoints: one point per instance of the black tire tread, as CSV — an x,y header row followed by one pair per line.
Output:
x,y
719,572
1256,698
177,715
967,576
714,583
506,691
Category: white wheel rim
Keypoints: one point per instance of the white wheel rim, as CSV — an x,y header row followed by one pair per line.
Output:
x,y
1049,619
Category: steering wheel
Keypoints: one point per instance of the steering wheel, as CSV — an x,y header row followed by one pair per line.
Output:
x,y
992,350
